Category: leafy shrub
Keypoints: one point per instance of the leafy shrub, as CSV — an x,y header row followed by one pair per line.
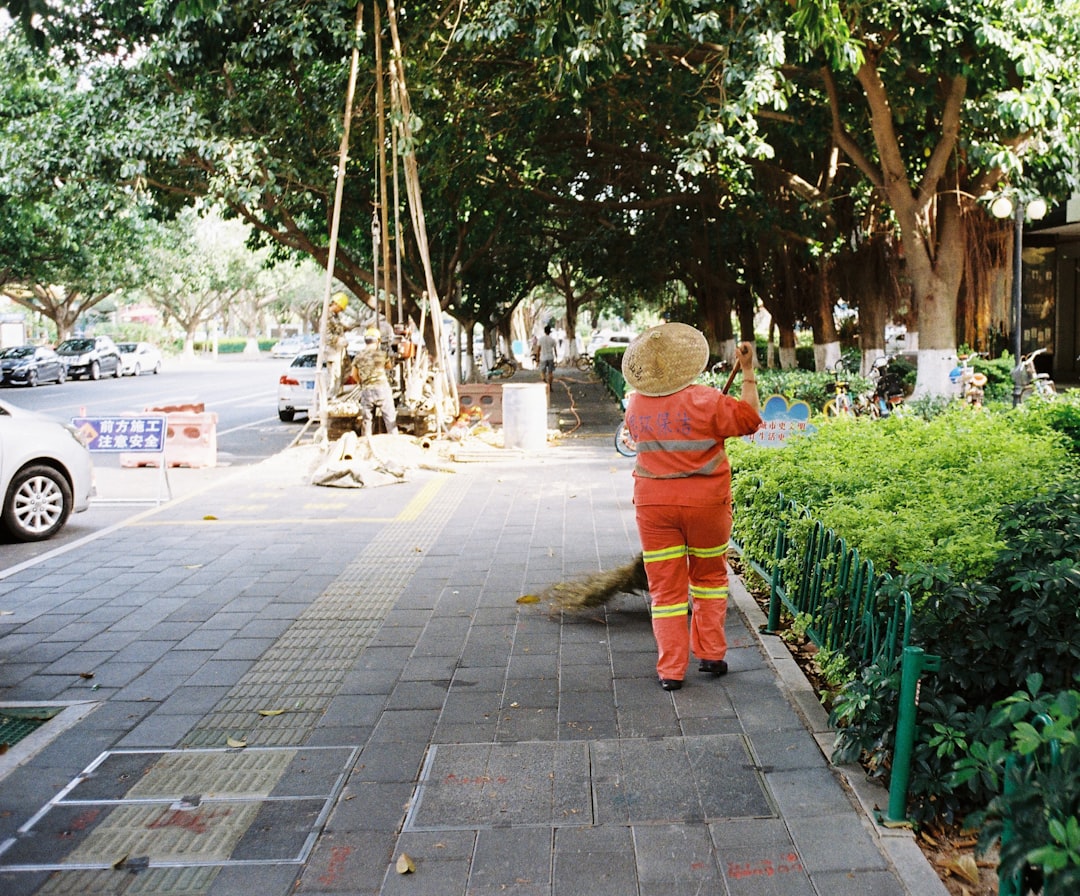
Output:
x,y
1036,815
927,407
999,381
225,346
900,490
980,525
1062,415
991,634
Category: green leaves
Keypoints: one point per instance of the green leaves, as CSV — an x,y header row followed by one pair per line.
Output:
x,y
979,517
1035,818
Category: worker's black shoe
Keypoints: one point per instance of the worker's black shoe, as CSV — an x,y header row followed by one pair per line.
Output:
x,y
670,684
713,667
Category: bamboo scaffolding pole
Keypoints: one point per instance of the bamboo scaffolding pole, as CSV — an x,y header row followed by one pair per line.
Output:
x,y
416,206
323,377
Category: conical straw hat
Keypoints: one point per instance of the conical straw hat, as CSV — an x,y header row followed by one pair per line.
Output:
x,y
664,359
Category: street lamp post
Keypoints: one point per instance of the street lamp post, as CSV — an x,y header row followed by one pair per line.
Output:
x,y
1018,300
1004,207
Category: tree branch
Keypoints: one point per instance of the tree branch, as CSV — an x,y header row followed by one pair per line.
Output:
x,y
843,139
950,134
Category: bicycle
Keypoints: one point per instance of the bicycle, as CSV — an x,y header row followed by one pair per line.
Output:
x,y
583,362
503,368
842,405
1032,382
624,442
889,393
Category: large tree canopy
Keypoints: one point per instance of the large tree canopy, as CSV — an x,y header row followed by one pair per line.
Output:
x,y
749,150
934,104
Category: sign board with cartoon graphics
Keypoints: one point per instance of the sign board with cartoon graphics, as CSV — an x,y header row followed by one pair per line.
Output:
x,y
782,419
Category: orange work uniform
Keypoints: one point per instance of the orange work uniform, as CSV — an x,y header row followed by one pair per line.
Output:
x,y
682,499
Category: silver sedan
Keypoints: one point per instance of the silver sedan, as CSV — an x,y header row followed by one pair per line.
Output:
x,y
45,474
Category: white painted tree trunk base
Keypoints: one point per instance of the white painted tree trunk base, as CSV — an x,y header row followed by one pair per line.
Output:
x,y
787,359
826,355
933,378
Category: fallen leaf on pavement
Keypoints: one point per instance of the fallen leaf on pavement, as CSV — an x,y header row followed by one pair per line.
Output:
x,y
235,743
528,599
965,867
405,864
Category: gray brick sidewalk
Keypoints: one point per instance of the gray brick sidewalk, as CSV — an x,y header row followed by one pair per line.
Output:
x,y
271,687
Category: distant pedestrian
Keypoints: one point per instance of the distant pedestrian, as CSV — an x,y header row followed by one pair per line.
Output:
x,y
682,490
369,369
548,348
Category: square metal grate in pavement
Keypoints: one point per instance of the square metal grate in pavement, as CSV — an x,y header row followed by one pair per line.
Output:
x,y
555,784
184,809
17,723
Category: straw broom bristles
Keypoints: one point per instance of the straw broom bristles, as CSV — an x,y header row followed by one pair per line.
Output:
x,y
596,589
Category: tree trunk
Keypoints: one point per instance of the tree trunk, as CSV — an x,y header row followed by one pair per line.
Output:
x,y
936,287
927,215
784,308
826,338
189,339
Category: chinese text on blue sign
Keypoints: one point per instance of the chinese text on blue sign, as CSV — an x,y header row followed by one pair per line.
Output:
x,y
144,433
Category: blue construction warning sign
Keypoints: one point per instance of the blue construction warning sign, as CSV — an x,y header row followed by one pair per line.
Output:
x,y
136,433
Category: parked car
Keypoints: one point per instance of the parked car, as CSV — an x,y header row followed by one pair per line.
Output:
x,y
291,346
605,339
137,358
46,474
296,386
90,356
30,365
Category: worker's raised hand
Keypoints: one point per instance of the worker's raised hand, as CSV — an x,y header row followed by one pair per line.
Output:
x,y
744,353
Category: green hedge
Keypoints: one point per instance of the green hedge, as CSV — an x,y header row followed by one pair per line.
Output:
x,y
905,490
224,346
977,516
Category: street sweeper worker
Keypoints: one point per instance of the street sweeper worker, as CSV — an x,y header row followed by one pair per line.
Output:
x,y
682,490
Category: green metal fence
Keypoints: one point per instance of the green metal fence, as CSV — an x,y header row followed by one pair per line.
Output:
x,y
822,581
605,364
838,597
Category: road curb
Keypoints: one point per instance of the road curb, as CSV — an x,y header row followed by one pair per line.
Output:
x,y
898,844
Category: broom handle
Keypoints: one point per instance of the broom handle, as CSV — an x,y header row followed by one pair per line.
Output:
x,y
730,379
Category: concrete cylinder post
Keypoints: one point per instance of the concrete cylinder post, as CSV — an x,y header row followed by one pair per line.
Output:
x,y
525,416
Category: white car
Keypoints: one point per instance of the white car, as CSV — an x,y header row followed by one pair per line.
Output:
x,y
137,358
291,346
296,386
46,474
606,339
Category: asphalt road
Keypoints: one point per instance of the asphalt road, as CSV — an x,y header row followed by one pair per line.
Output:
x,y
242,392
